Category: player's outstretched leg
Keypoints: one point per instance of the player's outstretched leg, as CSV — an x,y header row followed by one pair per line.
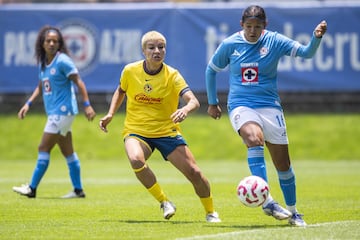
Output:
x,y
274,209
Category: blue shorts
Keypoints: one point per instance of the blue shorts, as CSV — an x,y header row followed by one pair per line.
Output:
x,y
165,145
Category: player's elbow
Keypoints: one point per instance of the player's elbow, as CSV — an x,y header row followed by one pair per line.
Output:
x,y
197,104
309,55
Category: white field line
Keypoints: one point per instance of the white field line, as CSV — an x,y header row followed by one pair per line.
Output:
x,y
96,181
254,231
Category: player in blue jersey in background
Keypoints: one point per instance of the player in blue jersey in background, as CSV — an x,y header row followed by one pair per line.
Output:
x,y
57,76
254,106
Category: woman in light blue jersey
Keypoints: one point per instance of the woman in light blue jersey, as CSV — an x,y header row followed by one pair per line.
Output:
x,y
252,56
57,76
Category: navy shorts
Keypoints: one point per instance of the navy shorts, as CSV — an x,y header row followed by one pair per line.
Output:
x,y
165,145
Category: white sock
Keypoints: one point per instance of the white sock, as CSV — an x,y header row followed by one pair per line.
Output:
x,y
292,209
268,200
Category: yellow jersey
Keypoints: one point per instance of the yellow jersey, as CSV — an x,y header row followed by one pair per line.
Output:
x,y
151,99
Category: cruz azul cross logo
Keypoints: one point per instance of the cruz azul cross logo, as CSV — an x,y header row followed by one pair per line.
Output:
x,y
249,73
80,37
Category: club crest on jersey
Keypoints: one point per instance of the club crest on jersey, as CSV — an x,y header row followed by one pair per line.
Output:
x,y
46,86
148,88
249,73
80,38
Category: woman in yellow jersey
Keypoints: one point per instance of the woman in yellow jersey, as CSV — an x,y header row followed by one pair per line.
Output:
x,y
153,90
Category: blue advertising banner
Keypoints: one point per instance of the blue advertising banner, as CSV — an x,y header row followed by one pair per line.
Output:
x,y
103,38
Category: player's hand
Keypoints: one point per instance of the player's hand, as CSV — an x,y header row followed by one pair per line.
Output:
x,y
22,112
90,113
179,115
214,111
320,29
104,122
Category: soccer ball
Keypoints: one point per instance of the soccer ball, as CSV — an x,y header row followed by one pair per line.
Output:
x,y
252,191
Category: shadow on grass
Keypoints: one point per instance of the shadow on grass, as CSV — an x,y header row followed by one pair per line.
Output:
x,y
210,225
60,198
150,221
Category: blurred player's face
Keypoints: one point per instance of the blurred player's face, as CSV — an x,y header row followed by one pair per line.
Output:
x,y
154,51
253,28
51,43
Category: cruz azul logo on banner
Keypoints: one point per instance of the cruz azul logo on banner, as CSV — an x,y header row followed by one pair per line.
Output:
x,y
80,38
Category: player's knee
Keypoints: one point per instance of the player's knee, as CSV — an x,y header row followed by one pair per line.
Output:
x,y
253,141
252,135
137,164
195,175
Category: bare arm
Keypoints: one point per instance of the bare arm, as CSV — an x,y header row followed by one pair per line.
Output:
x,y
192,104
116,101
89,111
22,112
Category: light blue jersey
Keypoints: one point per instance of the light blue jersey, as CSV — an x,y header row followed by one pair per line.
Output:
x,y
57,90
253,68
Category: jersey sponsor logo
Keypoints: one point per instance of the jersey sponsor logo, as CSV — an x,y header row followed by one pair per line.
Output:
x,y
80,39
249,73
143,98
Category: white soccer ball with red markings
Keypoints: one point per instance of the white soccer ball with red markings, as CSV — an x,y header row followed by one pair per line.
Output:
x,y
253,191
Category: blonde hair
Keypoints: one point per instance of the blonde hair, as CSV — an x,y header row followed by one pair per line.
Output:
x,y
152,35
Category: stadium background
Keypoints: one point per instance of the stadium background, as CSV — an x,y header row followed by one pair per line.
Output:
x,y
104,35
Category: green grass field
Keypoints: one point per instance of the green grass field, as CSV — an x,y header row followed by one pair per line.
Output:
x,y
325,156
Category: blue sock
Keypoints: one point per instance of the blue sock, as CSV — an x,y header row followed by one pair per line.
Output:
x,y
40,169
288,187
73,163
256,161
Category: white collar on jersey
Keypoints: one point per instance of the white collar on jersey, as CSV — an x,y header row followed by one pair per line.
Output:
x,y
243,36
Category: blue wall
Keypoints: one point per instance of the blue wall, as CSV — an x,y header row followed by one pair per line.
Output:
x,y
105,37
